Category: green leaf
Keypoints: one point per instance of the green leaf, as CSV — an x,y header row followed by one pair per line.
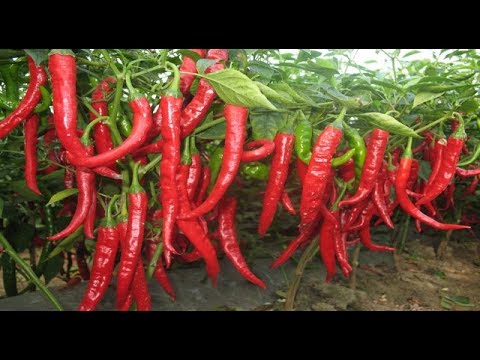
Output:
x,y
266,125
235,88
297,97
66,243
422,97
388,123
62,195
469,106
424,170
38,55
20,235
52,268
191,54
20,187
263,70
273,95
410,53
2,203
203,64
216,132
459,300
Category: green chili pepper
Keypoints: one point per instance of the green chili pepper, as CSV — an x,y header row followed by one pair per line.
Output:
x,y
472,158
356,142
342,159
303,139
6,104
46,100
255,170
215,164
9,75
124,125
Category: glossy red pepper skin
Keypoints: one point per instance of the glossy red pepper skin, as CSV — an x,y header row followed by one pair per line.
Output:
x,y
318,171
142,123
467,173
30,130
192,228
287,203
236,119
85,179
188,65
204,183
153,148
378,198
229,241
403,174
38,78
436,161
347,170
366,241
371,168
258,150
137,213
326,242
302,169
171,109
101,131
102,268
451,155
197,109
63,77
140,289
276,179
89,222
194,174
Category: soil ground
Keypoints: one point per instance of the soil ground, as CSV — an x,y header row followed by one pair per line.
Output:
x,y
420,281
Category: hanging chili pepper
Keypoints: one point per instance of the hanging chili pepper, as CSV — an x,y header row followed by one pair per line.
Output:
x,y
137,213
378,197
194,173
153,148
30,148
373,163
301,170
472,187
466,173
188,65
450,158
366,241
439,147
171,106
236,118
303,139
103,261
276,181
262,149
101,132
192,228
204,183
326,243
319,169
140,290
403,174
89,222
38,77
287,202
229,242
355,141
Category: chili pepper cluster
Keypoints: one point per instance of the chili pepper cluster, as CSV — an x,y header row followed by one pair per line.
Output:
x,y
346,180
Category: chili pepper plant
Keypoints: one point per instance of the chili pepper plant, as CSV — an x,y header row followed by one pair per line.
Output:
x,y
120,166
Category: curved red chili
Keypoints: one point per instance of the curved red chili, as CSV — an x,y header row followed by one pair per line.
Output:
x,y
366,241
236,118
229,241
205,182
194,175
378,197
101,131
276,179
261,149
30,129
159,273
287,203
326,244
188,65
38,78
371,168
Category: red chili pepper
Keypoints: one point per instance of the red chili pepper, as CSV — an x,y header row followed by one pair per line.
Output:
x,y
153,148
365,217
302,169
103,263
38,78
466,173
450,158
438,151
192,228
196,110
276,179
262,149
89,222
188,65
236,118
137,213
142,122
63,77
229,241
378,198
86,183
326,244
403,174
340,238
159,273
347,171
171,106
30,129
205,182
318,172
306,234
140,290
367,241
412,179
101,132
194,176
287,203
472,187
371,168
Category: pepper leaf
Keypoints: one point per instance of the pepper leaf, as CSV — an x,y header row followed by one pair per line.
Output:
x,y
266,125
62,195
216,132
235,88
191,54
273,95
388,123
38,55
423,97
52,268
203,65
